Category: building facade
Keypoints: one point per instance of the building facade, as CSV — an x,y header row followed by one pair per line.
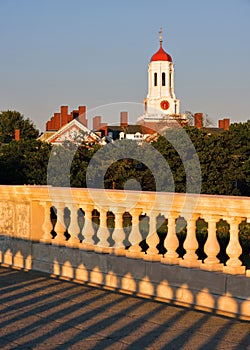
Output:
x,y
161,107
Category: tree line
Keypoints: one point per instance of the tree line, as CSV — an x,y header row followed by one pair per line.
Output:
x,y
223,160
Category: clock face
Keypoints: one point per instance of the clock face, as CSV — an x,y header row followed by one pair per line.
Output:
x,y
165,105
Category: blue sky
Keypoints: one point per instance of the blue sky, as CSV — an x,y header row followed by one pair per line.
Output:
x,y
95,52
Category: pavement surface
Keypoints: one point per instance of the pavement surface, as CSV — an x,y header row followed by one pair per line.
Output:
x,y
39,312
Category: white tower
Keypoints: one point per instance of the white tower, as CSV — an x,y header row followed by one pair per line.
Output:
x,y
161,103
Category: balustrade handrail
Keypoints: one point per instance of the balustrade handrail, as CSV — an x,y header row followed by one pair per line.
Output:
x,y
30,208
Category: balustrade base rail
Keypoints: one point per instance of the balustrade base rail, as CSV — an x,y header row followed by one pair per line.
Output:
x,y
191,287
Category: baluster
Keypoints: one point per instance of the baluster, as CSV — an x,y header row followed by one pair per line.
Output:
x,y
60,226
47,225
248,269
119,234
152,240
212,247
103,234
88,230
135,238
191,244
171,242
234,250
73,228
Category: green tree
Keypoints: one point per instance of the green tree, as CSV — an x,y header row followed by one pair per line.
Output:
x,y
24,162
223,158
13,120
80,162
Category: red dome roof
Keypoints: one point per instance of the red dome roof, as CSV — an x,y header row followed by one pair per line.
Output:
x,y
161,55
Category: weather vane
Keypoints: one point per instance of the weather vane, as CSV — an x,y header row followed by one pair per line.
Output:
x,y
160,36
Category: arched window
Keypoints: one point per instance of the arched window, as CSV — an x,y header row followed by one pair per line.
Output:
x,y
163,79
155,79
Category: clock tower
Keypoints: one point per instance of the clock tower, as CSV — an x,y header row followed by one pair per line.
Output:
x,y
161,104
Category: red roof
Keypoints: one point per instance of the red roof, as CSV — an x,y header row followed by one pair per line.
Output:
x,y
161,55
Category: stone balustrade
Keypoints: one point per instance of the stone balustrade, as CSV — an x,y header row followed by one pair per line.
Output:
x,y
124,225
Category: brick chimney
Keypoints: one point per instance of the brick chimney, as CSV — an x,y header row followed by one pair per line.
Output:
x,y
17,134
226,123
64,115
97,122
82,115
198,120
57,121
99,126
221,124
124,119
52,123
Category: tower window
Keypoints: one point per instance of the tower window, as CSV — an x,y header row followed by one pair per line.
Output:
x,y
170,80
163,79
155,79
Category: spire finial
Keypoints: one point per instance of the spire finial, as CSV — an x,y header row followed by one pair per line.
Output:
x,y
160,36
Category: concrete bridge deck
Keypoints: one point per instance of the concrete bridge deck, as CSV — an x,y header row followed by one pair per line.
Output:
x,y
39,312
